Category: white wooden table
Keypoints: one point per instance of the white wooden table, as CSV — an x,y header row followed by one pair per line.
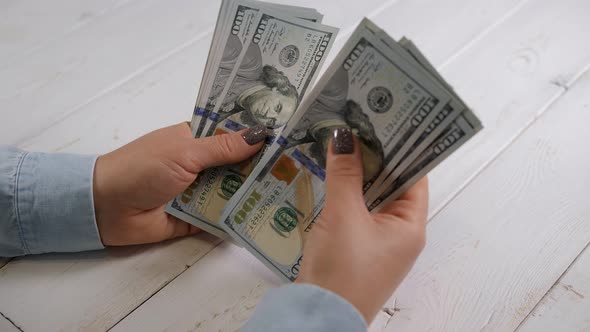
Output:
x,y
510,212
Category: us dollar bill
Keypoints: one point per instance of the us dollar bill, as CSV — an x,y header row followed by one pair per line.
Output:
x,y
233,30
455,135
281,60
423,129
442,123
367,88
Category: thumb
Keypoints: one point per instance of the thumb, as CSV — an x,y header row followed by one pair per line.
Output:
x,y
228,148
344,171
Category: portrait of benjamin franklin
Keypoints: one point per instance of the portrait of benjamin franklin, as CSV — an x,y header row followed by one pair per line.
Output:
x,y
332,109
260,94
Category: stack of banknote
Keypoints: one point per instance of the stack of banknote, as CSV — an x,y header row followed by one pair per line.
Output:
x,y
261,69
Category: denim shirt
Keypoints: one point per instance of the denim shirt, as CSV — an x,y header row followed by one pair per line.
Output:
x,y
46,205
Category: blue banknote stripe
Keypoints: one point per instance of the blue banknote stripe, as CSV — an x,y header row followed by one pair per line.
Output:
x,y
309,164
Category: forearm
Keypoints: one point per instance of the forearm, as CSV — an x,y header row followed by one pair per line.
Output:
x,y
46,203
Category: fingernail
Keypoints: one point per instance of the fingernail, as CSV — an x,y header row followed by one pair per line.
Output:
x,y
342,142
255,134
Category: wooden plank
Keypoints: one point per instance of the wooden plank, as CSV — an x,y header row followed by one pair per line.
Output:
x,y
565,307
452,26
93,60
215,296
509,76
501,244
221,295
92,291
25,26
509,100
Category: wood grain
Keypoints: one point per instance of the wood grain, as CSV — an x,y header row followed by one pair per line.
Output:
x,y
565,307
508,76
19,37
102,56
218,296
92,291
500,245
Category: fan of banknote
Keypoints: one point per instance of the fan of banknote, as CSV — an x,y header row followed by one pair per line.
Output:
x,y
261,69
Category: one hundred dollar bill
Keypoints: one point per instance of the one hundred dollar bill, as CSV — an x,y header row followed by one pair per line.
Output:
x,y
367,88
460,131
275,69
418,133
233,30
439,125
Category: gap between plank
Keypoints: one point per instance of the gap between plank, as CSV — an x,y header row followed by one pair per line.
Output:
x,y
11,322
121,82
524,320
452,58
163,286
76,27
542,111
483,33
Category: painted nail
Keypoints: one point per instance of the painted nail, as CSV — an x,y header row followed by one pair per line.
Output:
x,y
342,142
255,134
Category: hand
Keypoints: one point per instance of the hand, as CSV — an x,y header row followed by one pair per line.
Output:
x,y
133,183
363,257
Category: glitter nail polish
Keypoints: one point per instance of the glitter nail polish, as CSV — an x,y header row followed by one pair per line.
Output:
x,y
342,142
255,134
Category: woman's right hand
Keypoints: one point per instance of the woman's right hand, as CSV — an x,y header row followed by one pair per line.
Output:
x,y
360,256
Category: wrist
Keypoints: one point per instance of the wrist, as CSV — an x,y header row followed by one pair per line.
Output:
x,y
101,196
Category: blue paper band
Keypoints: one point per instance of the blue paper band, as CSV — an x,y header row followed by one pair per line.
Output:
x,y
309,164
232,125
201,111
282,141
214,116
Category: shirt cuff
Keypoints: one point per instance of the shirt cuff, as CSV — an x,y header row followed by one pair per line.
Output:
x,y
54,203
305,307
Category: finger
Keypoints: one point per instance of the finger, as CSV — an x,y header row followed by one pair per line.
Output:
x,y
179,228
228,148
344,171
412,205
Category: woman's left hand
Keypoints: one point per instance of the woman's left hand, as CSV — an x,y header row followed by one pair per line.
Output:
x,y
133,183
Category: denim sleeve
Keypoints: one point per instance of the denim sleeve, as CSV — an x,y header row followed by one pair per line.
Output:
x,y
46,203
304,307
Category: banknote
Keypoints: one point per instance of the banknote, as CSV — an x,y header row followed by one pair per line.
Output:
x,y
233,29
225,49
461,130
439,125
423,129
275,70
367,88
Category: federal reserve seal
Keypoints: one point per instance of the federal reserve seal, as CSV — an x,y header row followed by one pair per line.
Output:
x,y
289,56
380,99
229,185
285,220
